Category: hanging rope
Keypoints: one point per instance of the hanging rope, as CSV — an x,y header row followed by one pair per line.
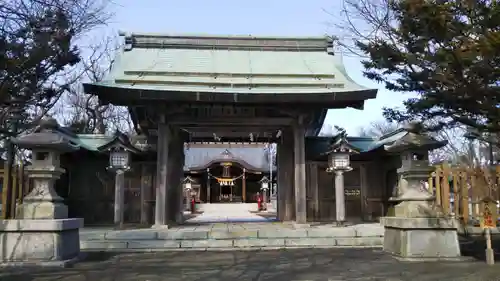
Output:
x,y
225,181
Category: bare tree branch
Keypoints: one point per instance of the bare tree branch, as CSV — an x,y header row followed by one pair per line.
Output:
x,y
361,20
85,113
377,129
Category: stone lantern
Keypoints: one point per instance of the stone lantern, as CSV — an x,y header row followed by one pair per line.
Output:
x,y
418,228
339,162
187,184
264,188
41,232
46,146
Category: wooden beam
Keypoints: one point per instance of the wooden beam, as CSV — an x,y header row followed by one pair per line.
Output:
x,y
233,121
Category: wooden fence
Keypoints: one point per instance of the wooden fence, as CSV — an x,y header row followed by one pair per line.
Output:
x,y
19,183
460,190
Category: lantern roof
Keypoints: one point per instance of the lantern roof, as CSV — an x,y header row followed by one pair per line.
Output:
x,y
340,144
264,179
120,141
406,138
47,135
189,179
414,138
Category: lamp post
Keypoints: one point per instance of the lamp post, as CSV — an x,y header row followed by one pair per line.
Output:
x,y
119,162
339,162
264,188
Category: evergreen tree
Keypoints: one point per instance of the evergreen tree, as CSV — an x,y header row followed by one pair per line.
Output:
x,y
37,52
448,53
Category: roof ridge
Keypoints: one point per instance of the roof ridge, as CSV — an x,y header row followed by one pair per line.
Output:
x,y
228,42
221,36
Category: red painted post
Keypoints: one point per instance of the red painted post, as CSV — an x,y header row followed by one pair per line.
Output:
x,y
193,206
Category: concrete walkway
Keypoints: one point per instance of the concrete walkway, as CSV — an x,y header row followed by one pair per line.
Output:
x,y
228,212
274,265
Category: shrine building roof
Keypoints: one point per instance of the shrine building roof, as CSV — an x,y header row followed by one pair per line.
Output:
x,y
251,156
195,67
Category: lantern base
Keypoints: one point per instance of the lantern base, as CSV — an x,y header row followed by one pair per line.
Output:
x,y
417,209
421,239
39,242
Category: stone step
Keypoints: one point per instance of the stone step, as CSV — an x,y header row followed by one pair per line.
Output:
x,y
175,239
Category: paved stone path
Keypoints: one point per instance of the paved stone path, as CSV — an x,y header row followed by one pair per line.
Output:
x,y
218,213
286,265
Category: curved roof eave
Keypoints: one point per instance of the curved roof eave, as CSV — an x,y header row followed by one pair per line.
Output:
x,y
240,162
124,94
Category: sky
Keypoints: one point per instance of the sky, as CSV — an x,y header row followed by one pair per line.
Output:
x,y
256,17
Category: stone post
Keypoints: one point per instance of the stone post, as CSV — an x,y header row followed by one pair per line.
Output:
x,y
42,234
119,197
339,197
418,231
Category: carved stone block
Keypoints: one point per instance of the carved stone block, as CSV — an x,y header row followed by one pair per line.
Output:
x,y
42,210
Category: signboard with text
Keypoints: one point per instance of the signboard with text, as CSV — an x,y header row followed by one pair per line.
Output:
x,y
488,213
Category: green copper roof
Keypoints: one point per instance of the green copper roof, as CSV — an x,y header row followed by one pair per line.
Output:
x,y
231,64
318,145
93,142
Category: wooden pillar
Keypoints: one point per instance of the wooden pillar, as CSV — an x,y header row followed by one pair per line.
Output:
x,y
175,166
178,180
300,173
15,190
366,210
285,154
244,186
280,179
21,183
146,194
161,174
314,189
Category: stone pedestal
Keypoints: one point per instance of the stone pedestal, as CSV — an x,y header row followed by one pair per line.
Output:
x,y
42,235
421,238
39,242
418,230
